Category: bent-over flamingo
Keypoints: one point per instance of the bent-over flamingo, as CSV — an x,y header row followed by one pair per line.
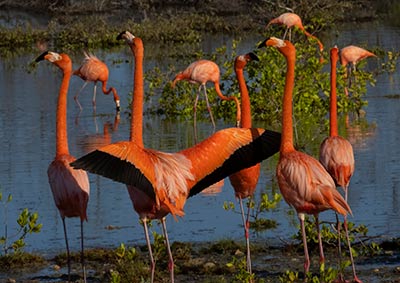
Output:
x,y
200,72
293,20
349,57
70,187
159,183
303,181
94,70
336,153
245,181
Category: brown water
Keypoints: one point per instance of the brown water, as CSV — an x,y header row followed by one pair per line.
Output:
x,y
27,125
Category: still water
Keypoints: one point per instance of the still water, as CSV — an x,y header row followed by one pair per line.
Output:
x,y
27,133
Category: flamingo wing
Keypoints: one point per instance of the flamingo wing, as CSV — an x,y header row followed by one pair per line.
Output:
x,y
242,148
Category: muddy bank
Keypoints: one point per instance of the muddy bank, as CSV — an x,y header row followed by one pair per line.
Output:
x,y
208,262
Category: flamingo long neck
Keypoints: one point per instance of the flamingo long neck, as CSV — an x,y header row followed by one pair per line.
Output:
x,y
287,108
137,97
229,98
333,126
245,99
61,122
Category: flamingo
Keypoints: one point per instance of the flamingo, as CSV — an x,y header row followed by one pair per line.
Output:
x,y
245,181
303,181
290,20
159,183
94,70
350,56
336,153
70,187
200,72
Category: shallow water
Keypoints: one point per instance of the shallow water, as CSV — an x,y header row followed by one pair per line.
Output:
x,y
27,122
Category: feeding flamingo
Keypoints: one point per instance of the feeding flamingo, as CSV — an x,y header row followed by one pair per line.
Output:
x,y
303,181
293,20
70,187
159,183
200,72
349,57
245,181
94,70
336,153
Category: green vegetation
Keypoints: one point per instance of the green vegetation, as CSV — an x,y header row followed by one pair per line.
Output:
x,y
27,222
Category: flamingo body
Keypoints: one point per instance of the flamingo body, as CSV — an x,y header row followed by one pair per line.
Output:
x,y
290,20
94,70
336,153
70,187
159,183
303,181
203,71
353,54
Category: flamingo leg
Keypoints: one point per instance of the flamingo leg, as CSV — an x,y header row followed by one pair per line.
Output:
x,y
152,262
94,94
321,248
66,244
195,116
341,277
171,259
355,277
306,255
76,96
246,226
83,255
208,106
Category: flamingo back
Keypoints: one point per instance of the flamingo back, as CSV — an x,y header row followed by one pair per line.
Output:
x,y
92,69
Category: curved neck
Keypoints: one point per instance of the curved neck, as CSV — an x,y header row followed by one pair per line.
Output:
x,y
137,97
244,99
333,127
61,120
287,108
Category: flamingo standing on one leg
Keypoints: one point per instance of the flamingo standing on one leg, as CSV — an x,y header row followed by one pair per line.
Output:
x,y
349,57
303,181
201,72
159,183
245,181
336,153
293,20
70,187
94,70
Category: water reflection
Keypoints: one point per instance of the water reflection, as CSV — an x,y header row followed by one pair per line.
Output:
x,y
27,103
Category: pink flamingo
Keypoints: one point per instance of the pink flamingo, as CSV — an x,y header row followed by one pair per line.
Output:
x,y
336,153
159,183
70,187
200,72
245,181
303,181
293,20
94,70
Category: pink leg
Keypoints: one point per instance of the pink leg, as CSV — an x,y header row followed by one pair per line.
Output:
x,y
208,106
152,262
306,255
171,259
76,96
246,225
67,246
321,249
83,255
195,116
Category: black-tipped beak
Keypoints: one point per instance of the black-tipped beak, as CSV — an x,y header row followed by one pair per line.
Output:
x,y
253,56
119,37
262,44
41,56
